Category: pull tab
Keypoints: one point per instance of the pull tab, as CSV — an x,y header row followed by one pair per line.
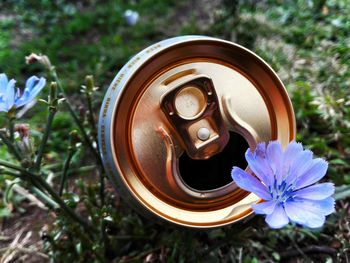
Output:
x,y
192,108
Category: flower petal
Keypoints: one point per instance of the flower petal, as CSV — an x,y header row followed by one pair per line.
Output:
x,y
289,154
266,207
274,155
278,218
3,107
325,206
315,192
315,172
259,165
292,149
301,163
3,83
249,183
9,97
3,87
309,213
33,86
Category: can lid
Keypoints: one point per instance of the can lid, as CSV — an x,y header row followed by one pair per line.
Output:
x,y
178,116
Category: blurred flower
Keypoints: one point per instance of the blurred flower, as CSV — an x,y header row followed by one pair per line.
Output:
x,y
131,17
10,96
285,182
23,130
42,59
24,144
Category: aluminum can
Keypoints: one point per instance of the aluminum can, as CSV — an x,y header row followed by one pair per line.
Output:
x,y
176,119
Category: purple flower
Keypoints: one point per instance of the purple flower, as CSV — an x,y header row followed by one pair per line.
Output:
x,y
131,17
285,180
11,97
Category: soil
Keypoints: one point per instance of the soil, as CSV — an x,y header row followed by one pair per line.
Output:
x,y
20,239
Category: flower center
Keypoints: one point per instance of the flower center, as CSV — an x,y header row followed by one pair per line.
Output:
x,y
282,192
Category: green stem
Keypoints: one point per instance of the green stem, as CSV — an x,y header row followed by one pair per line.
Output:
x,y
102,188
77,171
11,126
75,117
10,146
65,171
91,115
105,238
53,166
38,180
12,166
50,118
36,190
63,205
96,152
44,198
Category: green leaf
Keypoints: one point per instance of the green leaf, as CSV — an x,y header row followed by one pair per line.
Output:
x,y
217,233
276,256
5,212
338,162
342,192
78,248
8,190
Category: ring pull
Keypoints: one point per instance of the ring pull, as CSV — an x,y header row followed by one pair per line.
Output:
x,y
192,108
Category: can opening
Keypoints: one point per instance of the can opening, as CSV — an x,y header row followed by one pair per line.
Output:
x,y
216,171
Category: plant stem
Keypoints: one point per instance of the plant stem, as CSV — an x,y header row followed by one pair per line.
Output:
x,y
52,102
309,250
65,171
12,166
77,171
36,190
75,117
95,151
38,180
91,116
11,126
44,198
102,188
44,139
105,238
63,205
10,146
90,87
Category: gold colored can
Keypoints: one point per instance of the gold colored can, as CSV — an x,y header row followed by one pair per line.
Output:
x,y
176,119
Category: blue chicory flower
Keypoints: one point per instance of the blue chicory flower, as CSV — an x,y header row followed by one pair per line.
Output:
x,y
11,97
131,17
285,181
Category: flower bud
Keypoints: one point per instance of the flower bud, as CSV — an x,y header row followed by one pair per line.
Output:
x,y
74,137
42,59
89,81
24,144
23,130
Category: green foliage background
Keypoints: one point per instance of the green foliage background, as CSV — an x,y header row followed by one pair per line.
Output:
x,y
307,42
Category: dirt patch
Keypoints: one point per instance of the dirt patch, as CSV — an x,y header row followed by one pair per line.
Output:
x,y
20,239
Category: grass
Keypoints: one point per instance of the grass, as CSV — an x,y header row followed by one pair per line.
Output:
x,y
306,42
